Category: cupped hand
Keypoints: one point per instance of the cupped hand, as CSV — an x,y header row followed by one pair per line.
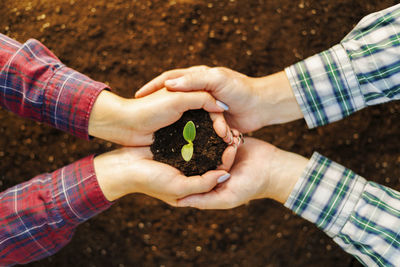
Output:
x,y
260,170
132,170
132,122
252,102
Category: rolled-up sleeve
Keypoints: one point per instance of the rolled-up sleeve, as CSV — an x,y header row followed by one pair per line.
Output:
x,y
35,84
39,217
362,217
363,70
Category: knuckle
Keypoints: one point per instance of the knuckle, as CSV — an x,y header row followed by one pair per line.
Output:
x,y
209,185
165,74
190,77
207,97
200,68
180,191
219,73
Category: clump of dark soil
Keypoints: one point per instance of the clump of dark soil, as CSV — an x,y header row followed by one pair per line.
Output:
x,y
208,146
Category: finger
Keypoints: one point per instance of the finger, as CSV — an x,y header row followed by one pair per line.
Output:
x,y
158,82
191,81
220,126
241,139
223,130
228,158
196,100
237,137
200,184
210,200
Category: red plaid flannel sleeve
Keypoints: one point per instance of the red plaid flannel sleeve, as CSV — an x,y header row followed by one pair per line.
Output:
x,y
35,84
38,217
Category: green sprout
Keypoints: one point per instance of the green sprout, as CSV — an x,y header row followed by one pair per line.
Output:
x,y
189,133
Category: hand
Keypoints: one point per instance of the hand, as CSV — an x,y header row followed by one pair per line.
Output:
x,y
253,102
132,170
132,122
260,171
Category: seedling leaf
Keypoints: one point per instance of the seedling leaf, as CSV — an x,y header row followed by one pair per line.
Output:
x,y
187,151
189,131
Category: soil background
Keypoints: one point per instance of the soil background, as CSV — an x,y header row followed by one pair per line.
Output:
x,y
126,43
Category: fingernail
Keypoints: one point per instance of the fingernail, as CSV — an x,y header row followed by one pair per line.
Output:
x,y
223,178
222,105
175,82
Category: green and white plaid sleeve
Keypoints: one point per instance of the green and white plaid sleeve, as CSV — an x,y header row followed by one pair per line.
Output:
x,y
362,217
363,70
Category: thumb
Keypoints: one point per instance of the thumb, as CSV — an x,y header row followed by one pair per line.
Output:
x,y
204,183
210,200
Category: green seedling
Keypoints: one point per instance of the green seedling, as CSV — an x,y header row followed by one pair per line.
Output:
x,y
189,133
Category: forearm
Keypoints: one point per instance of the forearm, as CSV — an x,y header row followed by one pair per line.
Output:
x,y
39,217
362,217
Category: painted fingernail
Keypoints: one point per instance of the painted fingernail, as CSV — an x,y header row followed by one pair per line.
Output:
x,y
222,105
175,82
223,178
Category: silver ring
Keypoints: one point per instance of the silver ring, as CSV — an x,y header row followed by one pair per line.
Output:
x,y
241,139
232,139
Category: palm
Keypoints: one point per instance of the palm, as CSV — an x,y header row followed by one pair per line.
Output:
x,y
163,181
249,180
242,113
163,108
229,86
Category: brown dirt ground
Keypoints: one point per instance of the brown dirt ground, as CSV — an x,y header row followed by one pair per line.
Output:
x,y
126,43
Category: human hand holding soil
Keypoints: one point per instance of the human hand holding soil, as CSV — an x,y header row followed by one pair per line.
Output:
x,y
260,171
253,102
132,170
132,122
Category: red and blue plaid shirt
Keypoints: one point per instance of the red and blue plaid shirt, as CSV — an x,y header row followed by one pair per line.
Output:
x,y
39,217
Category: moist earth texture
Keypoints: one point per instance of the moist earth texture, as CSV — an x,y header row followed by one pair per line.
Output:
x,y
208,146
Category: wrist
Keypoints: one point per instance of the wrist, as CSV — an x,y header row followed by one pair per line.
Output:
x,y
105,118
289,167
114,174
277,101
